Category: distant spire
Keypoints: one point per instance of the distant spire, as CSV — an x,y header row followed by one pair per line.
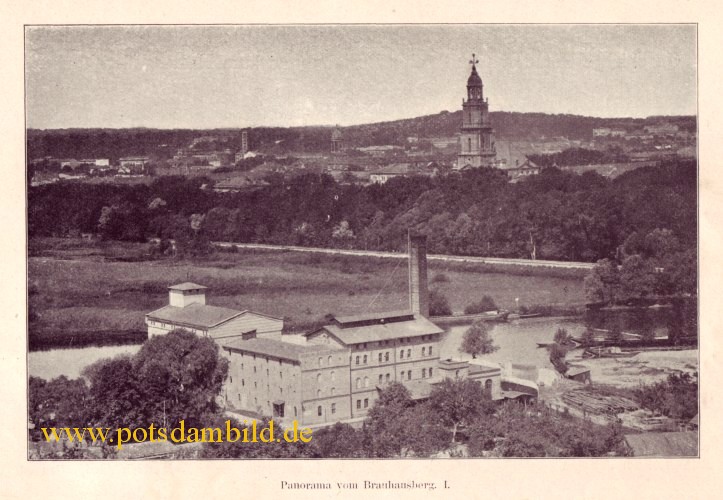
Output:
x,y
474,61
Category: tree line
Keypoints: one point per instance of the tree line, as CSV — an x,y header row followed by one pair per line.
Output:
x,y
554,215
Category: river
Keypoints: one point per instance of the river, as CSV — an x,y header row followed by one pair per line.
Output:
x,y
517,340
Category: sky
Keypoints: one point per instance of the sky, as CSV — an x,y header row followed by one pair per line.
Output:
x,y
259,75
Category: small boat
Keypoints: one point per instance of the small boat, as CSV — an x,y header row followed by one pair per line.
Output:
x,y
608,352
470,318
530,315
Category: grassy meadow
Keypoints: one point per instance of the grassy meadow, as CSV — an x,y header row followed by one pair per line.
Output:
x,y
86,289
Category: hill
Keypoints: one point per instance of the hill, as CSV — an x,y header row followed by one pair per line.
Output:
x,y
162,144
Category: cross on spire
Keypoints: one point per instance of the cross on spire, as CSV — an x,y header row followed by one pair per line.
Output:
x,y
474,60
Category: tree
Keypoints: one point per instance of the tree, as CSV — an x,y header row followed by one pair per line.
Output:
x,y
636,277
561,336
557,357
438,304
181,375
477,340
459,402
386,427
603,282
486,303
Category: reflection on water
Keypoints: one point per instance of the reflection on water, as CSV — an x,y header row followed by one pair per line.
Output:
x,y
517,340
70,362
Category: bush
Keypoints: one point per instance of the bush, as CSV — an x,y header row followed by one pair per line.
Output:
x,y
438,304
440,278
486,303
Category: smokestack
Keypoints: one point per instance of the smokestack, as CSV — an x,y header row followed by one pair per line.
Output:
x,y
418,291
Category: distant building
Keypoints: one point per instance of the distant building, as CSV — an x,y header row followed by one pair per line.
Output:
x,y
337,141
244,143
523,170
239,184
661,129
477,146
133,165
601,132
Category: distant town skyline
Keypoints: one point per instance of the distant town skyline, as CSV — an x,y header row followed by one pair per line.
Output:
x,y
297,75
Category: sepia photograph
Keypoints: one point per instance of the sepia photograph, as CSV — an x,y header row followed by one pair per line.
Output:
x,y
362,241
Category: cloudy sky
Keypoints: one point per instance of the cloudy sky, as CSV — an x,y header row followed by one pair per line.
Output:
x,y
237,76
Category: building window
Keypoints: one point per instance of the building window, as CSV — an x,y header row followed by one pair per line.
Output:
x,y
380,357
424,351
365,359
333,408
401,354
333,390
281,390
366,381
389,377
328,361
409,375
381,378
231,379
358,383
254,368
366,402
430,350
332,376
318,393
430,372
318,378
239,396
409,353
320,363
357,360
424,373
256,385
295,411
456,374
281,374
386,356
488,386
358,404
318,410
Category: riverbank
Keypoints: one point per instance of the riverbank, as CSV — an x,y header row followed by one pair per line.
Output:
x,y
78,287
645,368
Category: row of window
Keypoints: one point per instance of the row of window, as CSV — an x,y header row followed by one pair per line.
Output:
x,y
383,343
384,357
359,403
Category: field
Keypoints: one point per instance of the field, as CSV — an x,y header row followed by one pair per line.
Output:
x,y
79,289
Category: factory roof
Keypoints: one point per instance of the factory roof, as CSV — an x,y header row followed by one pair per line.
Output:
x,y
273,348
195,315
387,327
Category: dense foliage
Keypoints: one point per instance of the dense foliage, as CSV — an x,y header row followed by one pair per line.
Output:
x,y
172,378
477,340
554,215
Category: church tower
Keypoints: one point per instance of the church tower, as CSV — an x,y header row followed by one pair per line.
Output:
x,y
477,144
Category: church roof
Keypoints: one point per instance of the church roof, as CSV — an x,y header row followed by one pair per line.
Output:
x,y
474,79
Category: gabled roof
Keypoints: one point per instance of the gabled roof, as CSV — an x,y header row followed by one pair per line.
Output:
x,y
663,444
356,332
187,286
194,315
274,348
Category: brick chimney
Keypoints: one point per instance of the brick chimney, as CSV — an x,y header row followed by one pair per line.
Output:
x,y
418,291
